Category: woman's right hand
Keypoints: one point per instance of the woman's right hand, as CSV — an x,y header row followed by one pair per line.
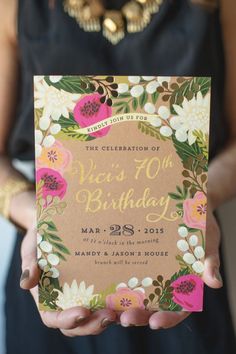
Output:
x,y
76,321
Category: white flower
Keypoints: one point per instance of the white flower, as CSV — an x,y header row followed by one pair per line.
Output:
x,y
122,88
182,245
152,86
53,259
38,150
39,253
55,128
134,79
148,78
199,252
38,136
189,258
133,282
55,272
121,285
55,78
139,289
149,108
198,267
42,263
48,141
155,121
136,90
146,282
183,231
175,122
53,101
75,295
39,238
44,123
193,240
46,246
194,115
164,112
181,135
166,131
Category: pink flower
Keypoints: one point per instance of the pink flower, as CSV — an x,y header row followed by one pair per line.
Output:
x,y
90,110
188,292
54,183
195,211
55,157
124,299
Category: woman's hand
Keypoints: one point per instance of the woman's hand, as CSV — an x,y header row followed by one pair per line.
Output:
x,y
211,277
76,321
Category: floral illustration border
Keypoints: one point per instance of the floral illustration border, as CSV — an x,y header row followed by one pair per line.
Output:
x,y
180,109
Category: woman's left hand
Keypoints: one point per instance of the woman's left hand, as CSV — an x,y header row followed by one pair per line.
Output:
x,y
211,277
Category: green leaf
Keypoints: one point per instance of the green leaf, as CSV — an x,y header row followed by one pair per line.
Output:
x,y
51,225
184,150
124,95
175,196
134,103
61,247
60,255
53,237
155,96
143,99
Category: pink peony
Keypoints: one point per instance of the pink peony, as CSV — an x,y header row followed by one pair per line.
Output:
x,y
124,299
195,211
188,292
89,110
54,183
55,157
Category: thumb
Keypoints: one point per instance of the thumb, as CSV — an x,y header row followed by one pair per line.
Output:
x,y
211,275
30,271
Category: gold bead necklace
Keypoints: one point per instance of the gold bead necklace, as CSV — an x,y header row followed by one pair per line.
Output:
x,y
92,16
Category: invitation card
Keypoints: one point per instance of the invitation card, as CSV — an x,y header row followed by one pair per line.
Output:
x,y
121,186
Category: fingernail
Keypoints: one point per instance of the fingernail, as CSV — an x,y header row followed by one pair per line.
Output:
x,y
126,324
154,327
106,322
24,275
79,320
218,276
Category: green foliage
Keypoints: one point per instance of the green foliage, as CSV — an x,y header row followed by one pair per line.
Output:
x,y
181,194
72,84
188,88
99,300
202,142
70,128
148,129
180,273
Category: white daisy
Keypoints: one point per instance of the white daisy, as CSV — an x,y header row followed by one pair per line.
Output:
x,y
75,295
54,102
194,115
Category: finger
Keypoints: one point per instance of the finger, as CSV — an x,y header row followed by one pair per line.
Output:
x,y
95,324
30,271
135,317
211,275
67,319
166,319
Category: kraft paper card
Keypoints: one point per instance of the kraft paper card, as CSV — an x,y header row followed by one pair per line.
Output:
x,y
121,175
